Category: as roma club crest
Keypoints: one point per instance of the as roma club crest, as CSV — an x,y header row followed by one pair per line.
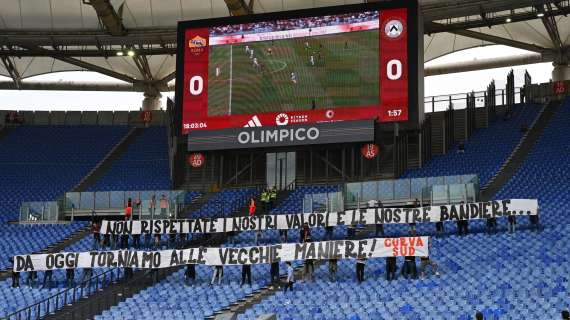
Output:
x,y
197,45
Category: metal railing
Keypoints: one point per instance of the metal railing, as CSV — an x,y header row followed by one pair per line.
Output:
x,y
459,101
68,296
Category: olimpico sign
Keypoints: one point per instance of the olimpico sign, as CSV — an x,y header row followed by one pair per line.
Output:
x,y
278,135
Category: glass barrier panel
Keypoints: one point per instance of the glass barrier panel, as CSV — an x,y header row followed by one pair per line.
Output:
x,y
369,191
307,204
385,190
102,200
72,200
432,181
417,185
453,179
353,191
86,201
457,193
439,194
117,199
50,211
335,202
402,189
133,195
472,193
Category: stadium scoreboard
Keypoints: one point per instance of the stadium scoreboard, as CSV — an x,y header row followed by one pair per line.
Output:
x,y
323,75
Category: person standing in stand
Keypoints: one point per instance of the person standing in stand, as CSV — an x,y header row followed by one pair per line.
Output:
x,y
95,229
190,273
290,277
246,273
274,274
163,205
360,263
305,233
152,206
391,268
252,207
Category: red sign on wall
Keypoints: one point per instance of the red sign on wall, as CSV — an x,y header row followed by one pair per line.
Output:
x,y
196,160
559,88
370,151
146,116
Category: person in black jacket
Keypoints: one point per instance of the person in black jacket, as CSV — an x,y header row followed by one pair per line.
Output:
x,y
190,273
32,276
360,263
245,273
15,276
391,268
274,274
409,268
47,279
69,276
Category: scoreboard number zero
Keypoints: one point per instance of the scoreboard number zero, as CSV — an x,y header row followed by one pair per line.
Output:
x,y
196,85
394,69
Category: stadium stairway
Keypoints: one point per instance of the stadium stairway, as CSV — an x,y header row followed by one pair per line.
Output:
x,y
521,151
55,247
121,291
103,166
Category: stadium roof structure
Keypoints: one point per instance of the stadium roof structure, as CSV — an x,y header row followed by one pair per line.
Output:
x,y
44,36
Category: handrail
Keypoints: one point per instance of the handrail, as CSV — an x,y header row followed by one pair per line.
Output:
x,y
54,300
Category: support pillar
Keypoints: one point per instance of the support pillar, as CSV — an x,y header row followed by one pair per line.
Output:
x,y
151,101
561,72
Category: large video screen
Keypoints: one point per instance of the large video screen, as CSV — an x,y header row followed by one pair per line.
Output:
x,y
291,68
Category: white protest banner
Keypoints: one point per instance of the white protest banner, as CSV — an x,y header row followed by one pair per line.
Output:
x,y
453,212
340,249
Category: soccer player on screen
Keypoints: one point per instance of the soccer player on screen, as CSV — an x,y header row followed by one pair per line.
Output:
x,y
251,53
247,49
293,78
218,71
255,64
312,60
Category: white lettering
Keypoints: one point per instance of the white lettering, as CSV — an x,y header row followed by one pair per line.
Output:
x,y
243,137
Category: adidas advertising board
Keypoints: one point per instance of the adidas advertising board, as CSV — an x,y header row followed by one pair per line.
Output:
x,y
254,134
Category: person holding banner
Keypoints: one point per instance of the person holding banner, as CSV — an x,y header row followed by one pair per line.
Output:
x,y
32,276
245,273
391,268
491,225
69,276
409,267
379,228
305,233
87,274
309,270
534,221
218,273
290,277
15,276
190,273
360,263
462,225
95,229
512,219
47,279
274,272
332,269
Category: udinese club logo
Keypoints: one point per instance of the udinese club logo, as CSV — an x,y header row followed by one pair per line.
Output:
x,y
394,29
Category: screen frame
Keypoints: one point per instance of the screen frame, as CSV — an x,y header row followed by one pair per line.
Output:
x,y
413,47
